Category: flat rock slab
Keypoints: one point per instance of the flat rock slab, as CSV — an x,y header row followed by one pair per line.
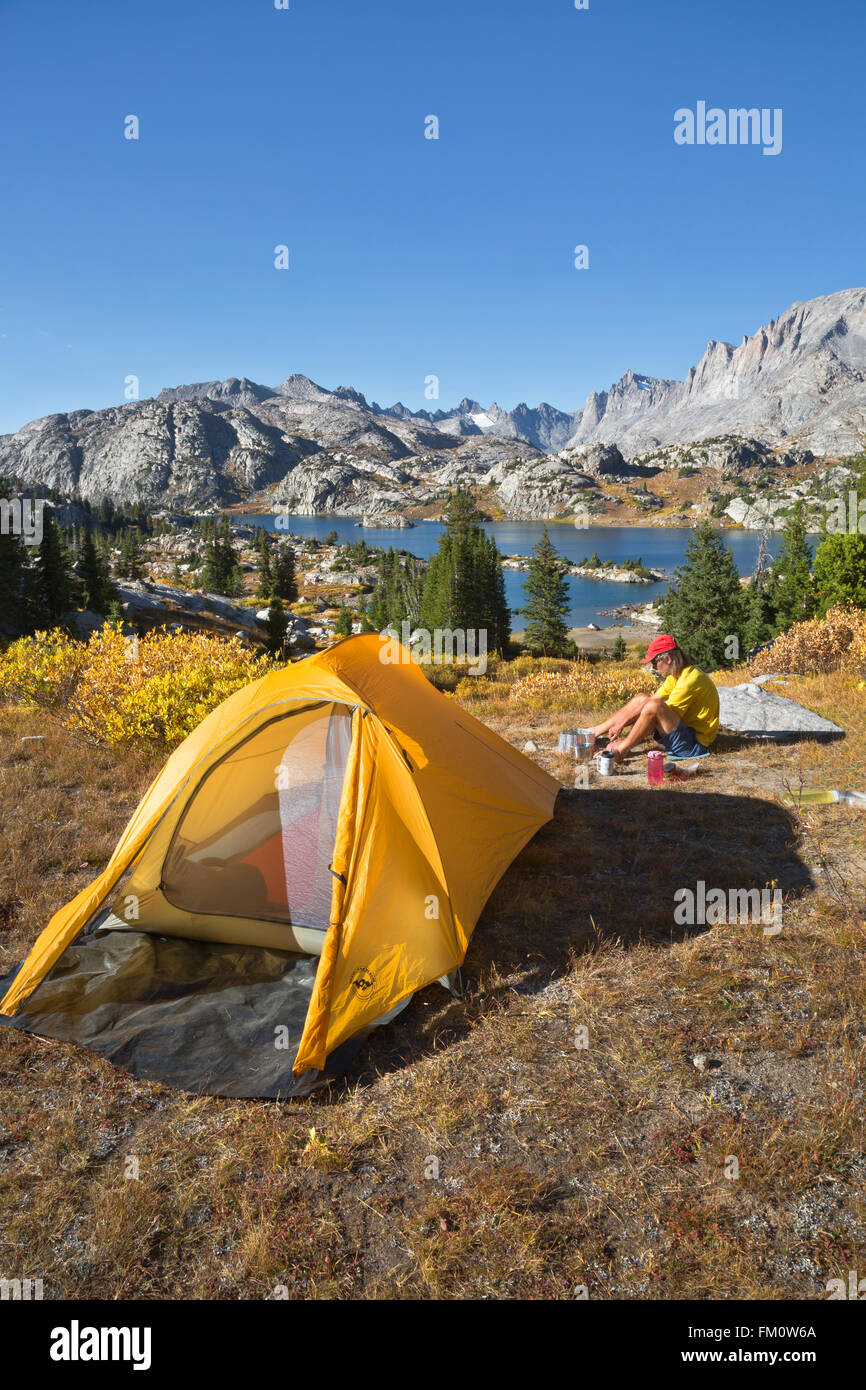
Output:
x,y
157,604
750,709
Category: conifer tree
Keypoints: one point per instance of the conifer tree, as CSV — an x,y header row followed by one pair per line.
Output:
x,y
790,591
705,607
283,580
265,579
758,626
94,575
547,589
130,563
222,573
403,590
840,570
213,575
12,578
500,614
277,625
464,587
376,612
55,583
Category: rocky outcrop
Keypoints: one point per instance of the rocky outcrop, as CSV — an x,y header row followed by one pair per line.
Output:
x,y
801,378
751,710
538,488
755,516
386,520
610,573
177,453
156,605
597,461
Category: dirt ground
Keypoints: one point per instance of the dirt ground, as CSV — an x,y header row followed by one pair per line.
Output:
x,y
587,639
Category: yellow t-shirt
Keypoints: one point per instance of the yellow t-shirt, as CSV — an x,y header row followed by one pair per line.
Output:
x,y
695,699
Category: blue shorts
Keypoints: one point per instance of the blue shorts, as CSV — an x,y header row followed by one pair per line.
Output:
x,y
682,742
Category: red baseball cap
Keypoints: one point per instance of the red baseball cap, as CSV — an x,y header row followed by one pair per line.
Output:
x,y
663,643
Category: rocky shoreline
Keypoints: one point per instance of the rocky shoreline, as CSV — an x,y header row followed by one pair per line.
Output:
x,y
634,614
613,574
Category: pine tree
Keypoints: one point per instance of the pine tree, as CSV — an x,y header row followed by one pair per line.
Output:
x,y
265,579
94,575
790,591
618,650
758,621
130,563
376,611
213,575
500,613
547,589
283,581
55,582
840,570
343,625
464,587
460,512
12,579
277,624
222,573
705,607
404,591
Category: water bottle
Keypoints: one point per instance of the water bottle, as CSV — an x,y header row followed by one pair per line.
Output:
x,y
655,768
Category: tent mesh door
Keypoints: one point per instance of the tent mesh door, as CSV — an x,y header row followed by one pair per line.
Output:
x,y
257,838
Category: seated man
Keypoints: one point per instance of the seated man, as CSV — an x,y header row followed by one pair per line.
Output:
x,y
683,715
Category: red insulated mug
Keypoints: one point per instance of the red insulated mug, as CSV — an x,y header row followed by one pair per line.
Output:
x,y
655,768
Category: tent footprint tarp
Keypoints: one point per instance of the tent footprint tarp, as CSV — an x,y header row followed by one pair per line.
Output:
x,y
208,1017
319,848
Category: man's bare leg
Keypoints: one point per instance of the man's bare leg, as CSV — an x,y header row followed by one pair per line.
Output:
x,y
656,717
615,724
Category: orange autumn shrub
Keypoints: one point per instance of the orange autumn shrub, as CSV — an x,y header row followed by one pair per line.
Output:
x,y
836,642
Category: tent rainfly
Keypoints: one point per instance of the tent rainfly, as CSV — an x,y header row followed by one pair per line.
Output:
x,y
317,850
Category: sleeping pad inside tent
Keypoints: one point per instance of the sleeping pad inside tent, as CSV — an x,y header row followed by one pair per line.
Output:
x,y
317,850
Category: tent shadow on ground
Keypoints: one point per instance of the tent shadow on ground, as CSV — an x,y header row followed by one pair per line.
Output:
x,y
605,868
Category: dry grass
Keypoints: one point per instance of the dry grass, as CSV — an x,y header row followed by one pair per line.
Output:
x,y
559,1166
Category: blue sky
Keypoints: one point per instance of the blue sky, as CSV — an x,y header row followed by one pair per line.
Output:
x,y
408,256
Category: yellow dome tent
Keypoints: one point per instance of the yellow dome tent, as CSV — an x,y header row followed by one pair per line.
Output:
x,y
341,807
